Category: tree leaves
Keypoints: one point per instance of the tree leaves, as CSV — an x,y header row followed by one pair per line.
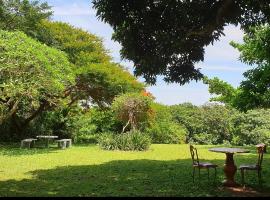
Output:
x,y
168,37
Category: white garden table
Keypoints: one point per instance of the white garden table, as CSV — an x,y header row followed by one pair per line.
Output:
x,y
47,138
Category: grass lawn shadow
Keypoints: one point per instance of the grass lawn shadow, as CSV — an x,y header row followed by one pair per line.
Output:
x,y
15,150
120,178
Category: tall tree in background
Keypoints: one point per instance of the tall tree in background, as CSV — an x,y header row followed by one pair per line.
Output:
x,y
33,78
23,15
168,37
98,79
254,91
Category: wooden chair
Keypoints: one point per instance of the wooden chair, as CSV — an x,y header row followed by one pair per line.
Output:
x,y
254,167
200,165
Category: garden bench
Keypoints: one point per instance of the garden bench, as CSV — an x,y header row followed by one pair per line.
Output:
x,y
64,143
30,142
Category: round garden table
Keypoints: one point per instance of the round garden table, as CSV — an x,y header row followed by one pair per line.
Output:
x,y
229,167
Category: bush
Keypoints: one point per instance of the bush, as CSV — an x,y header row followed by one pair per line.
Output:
x,y
86,126
204,138
252,127
130,141
163,128
167,133
86,139
207,124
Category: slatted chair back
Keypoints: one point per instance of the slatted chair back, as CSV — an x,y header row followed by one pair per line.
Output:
x,y
194,155
260,157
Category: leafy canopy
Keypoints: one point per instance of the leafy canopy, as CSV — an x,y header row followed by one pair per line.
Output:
x,y
168,37
254,91
98,79
33,76
23,15
134,109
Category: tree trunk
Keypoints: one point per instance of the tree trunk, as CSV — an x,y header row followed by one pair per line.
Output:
x,y
124,128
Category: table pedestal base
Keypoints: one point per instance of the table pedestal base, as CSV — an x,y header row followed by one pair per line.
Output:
x,y
229,183
230,170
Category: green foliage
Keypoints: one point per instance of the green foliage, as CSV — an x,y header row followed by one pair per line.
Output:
x,y
98,79
33,77
252,127
23,15
208,124
133,109
189,116
163,130
253,92
224,91
103,82
81,46
256,46
169,37
130,141
86,126
167,133
204,138
103,120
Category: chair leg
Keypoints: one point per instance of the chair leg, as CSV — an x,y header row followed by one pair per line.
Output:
x,y
215,174
242,176
260,177
193,174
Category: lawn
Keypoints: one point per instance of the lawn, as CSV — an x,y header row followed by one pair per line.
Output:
x,y
164,170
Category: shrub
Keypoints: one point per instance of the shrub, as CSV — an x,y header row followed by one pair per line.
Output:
x,y
86,126
204,138
133,109
252,127
167,133
130,141
86,138
163,128
207,124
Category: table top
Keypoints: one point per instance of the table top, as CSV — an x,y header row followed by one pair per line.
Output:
x,y
47,136
229,150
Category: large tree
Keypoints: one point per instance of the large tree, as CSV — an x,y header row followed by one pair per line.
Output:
x,y
33,78
168,37
98,78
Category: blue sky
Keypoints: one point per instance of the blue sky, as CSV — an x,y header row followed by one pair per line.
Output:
x,y
221,60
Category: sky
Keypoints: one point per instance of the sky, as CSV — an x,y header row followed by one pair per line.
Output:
x,y
221,59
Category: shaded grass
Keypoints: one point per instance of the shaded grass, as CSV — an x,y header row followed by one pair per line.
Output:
x,y
164,170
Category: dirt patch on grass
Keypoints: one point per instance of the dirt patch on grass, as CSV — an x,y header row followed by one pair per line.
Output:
x,y
245,192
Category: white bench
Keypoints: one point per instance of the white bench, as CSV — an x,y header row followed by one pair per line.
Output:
x,y
30,142
64,143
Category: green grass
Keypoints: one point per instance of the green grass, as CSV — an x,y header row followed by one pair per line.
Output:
x,y
164,170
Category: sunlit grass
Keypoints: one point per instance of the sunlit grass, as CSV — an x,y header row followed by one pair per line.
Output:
x,y
164,170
